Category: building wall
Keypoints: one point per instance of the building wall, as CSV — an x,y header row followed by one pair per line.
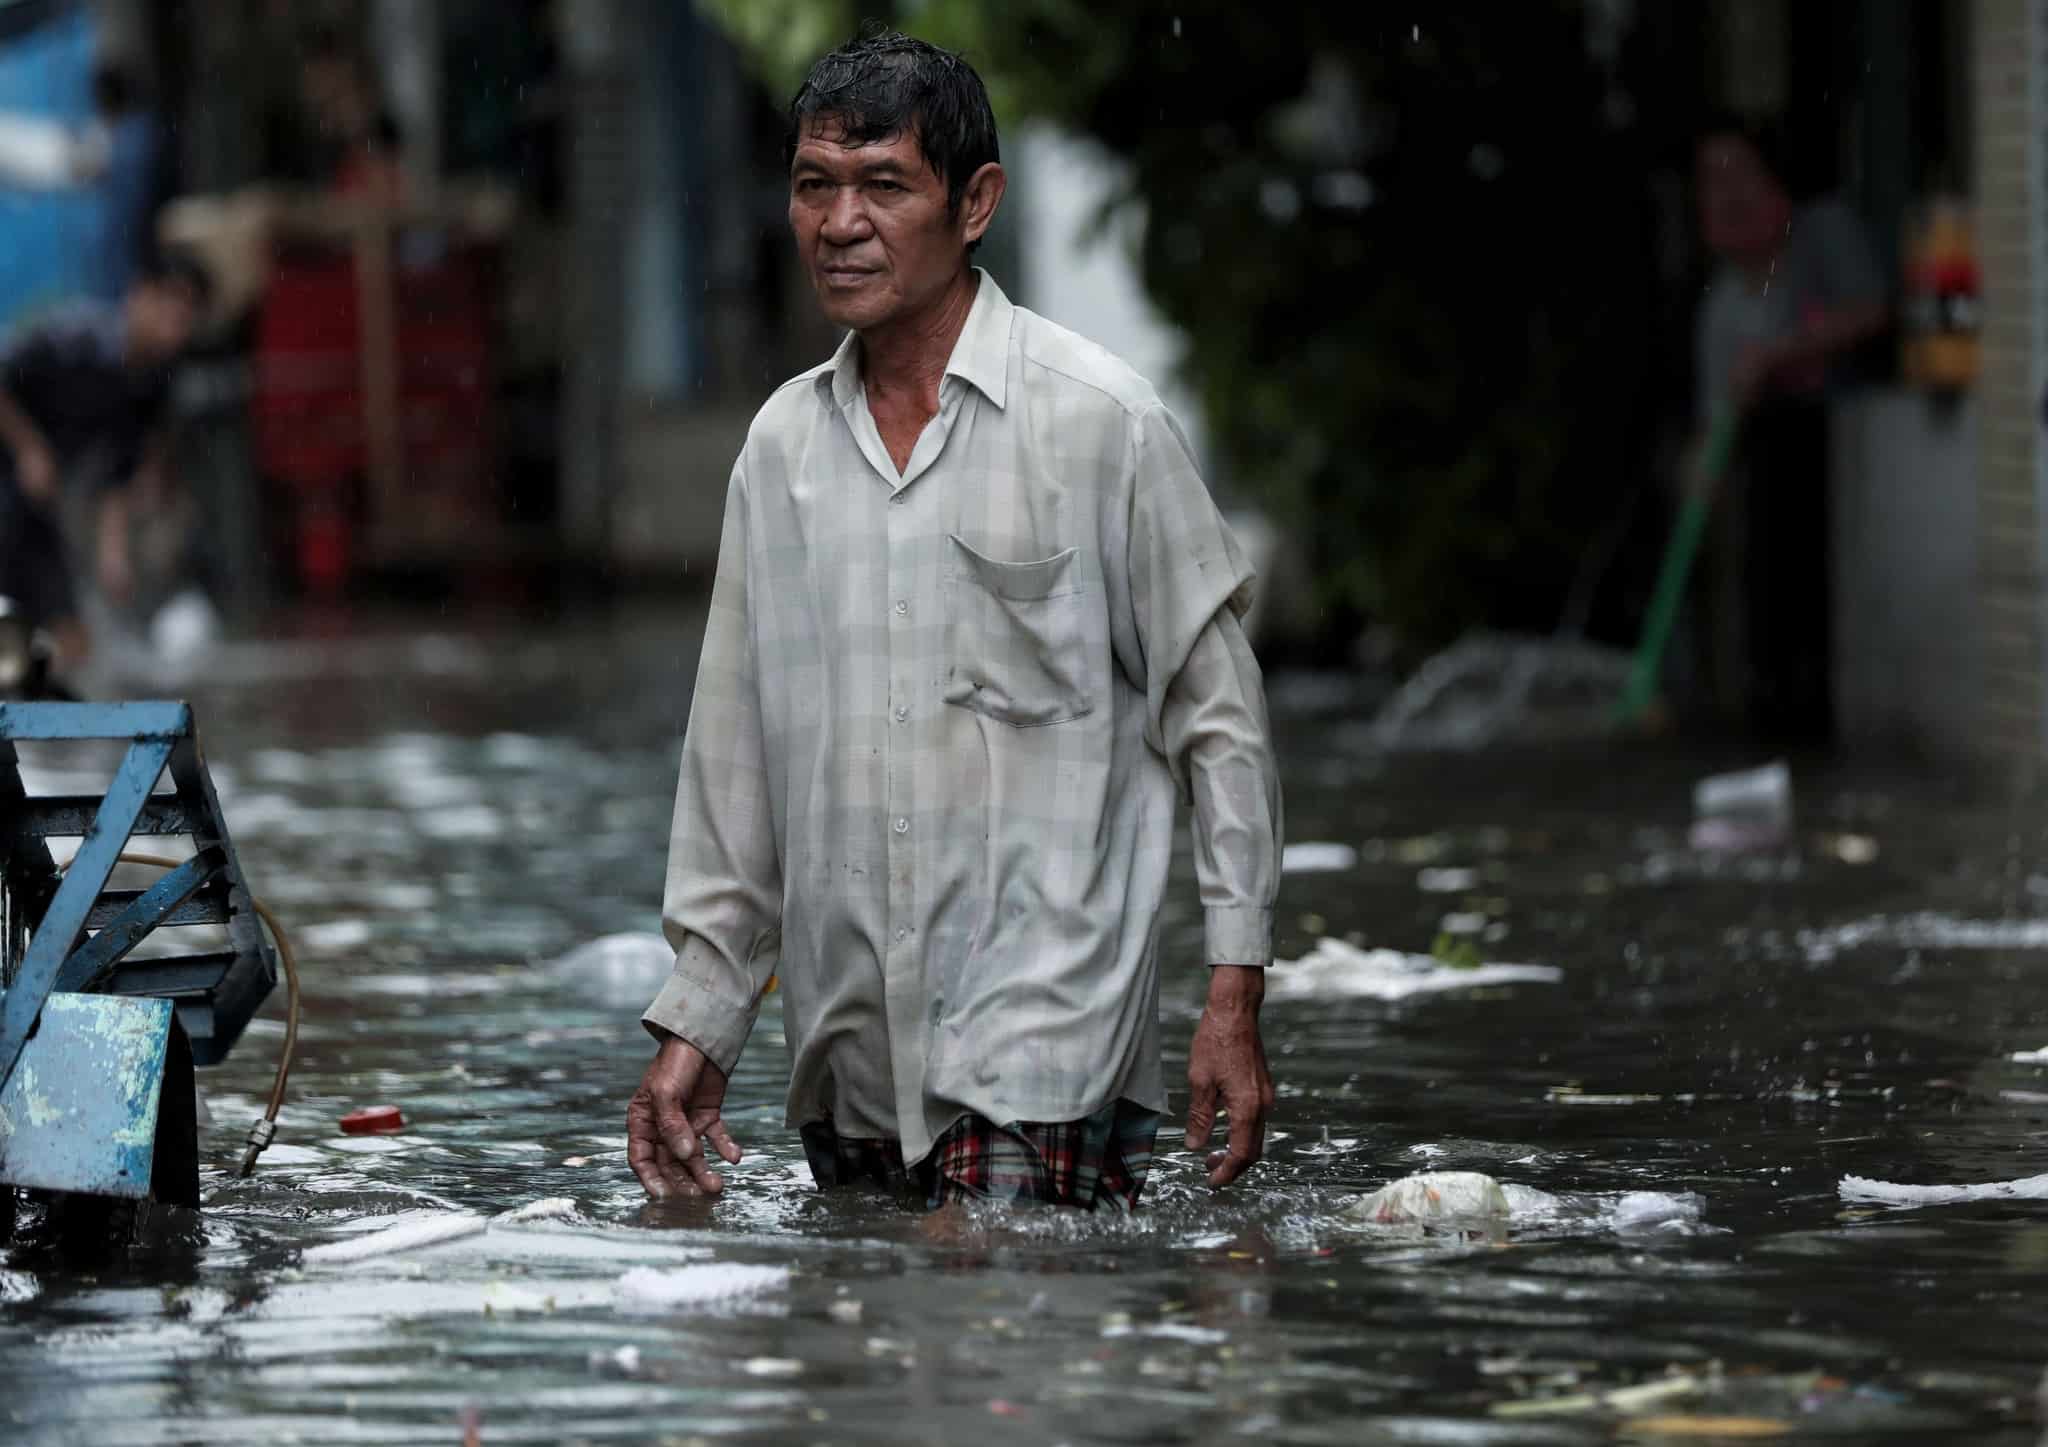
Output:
x,y
2010,66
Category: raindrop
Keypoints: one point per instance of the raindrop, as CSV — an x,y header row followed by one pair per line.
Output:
x,y
1176,27
1415,34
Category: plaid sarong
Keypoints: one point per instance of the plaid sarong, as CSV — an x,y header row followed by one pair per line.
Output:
x,y
1099,1161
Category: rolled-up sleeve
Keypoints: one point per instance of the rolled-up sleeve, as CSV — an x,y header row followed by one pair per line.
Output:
x,y
721,905
1189,586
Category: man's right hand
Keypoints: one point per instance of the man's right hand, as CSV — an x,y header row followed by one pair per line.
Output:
x,y
673,1117
35,468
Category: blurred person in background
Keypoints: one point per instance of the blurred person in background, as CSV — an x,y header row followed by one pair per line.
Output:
x,y
84,411
130,177
1796,292
354,137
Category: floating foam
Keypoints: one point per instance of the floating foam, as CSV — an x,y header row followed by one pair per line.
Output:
x,y
1890,1193
1334,970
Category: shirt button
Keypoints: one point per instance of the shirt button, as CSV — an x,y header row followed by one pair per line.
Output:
x,y
902,713
902,606
902,826
902,933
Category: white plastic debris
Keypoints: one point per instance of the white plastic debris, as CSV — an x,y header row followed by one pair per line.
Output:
x,y
626,1359
1447,881
1744,811
1201,1336
615,969
711,1283
1433,1198
432,1231
1472,1200
1335,970
548,1208
1317,858
2030,1057
505,1298
184,629
772,1367
1889,1193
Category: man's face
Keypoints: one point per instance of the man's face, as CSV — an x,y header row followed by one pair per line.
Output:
x,y
1743,208
872,227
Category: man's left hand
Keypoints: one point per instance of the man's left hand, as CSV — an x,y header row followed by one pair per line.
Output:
x,y
1227,1068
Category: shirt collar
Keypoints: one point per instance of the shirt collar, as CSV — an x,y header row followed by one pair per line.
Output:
x,y
981,355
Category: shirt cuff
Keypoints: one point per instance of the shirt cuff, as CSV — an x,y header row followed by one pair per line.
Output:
x,y
688,1009
1238,935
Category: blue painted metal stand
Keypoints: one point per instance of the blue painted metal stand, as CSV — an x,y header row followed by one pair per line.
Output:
x,y
71,1022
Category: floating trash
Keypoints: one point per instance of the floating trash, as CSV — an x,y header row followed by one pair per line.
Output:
x,y
1435,1197
448,1226
1317,858
1889,1193
1473,1201
617,969
1334,970
373,1120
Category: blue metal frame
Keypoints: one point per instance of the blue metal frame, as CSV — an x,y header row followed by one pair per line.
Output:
x,y
82,931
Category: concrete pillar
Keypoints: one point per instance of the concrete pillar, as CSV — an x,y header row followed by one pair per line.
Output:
x,y
2009,58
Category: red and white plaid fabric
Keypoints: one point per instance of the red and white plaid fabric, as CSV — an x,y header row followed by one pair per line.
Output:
x,y
1097,1162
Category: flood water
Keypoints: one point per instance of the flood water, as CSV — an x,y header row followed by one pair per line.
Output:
x,y
437,817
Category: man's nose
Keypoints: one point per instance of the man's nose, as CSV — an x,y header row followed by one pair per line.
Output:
x,y
846,219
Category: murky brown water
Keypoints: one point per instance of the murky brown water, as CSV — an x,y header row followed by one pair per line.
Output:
x,y
437,818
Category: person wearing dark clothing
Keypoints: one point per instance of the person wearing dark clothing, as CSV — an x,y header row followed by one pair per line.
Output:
x,y
131,184
84,401
1796,292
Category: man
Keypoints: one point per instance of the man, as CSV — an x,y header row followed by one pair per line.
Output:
x,y
974,631
84,402
1796,291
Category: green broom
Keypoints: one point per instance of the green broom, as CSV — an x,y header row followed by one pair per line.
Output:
x,y
1679,553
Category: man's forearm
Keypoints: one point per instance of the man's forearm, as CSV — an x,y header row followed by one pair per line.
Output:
x,y
1832,333
1215,713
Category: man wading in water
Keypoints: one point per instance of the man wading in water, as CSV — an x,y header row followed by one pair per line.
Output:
x,y
974,634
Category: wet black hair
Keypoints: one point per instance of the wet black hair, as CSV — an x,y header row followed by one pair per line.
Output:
x,y
1773,145
882,84
180,269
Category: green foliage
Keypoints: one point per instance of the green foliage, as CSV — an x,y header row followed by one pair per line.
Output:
x,y
1407,246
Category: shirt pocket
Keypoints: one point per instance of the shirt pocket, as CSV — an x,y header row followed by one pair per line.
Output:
x,y
1019,638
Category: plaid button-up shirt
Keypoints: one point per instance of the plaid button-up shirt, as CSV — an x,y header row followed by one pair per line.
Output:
x,y
943,719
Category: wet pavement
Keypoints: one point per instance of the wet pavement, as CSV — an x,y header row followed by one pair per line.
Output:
x,y
437,817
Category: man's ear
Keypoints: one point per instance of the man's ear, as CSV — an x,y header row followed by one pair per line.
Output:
x,y
979,201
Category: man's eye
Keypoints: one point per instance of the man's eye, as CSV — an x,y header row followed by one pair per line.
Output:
x,y
810,184
885,185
